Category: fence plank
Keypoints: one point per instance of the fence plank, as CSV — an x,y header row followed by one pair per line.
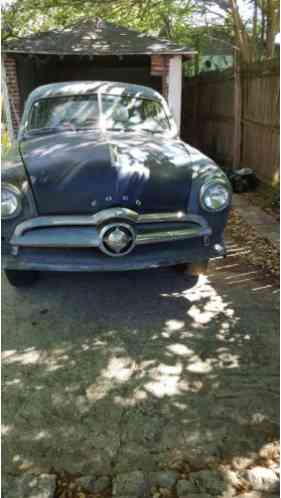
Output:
x,y
208,117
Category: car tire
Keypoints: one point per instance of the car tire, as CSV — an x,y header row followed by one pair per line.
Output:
x,y
193,269
196,269
182,268
19,278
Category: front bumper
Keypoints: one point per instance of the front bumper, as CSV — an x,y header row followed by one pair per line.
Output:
x,y
86,260
74,243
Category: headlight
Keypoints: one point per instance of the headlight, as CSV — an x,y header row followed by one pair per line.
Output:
x,y
10,201
215,196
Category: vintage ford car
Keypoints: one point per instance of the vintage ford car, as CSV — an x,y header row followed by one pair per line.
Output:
x,y
100,181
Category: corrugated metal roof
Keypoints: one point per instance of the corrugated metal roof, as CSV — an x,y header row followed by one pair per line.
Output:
x,y
93,37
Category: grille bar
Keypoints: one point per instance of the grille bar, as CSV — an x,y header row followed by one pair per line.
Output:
x,y
105,216
85,231
90,237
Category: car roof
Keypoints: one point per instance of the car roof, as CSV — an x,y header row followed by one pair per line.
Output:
x,y
89,87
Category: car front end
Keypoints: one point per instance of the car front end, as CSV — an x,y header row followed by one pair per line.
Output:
x,y
110,201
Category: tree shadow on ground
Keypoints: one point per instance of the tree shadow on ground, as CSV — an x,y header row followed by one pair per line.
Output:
x,y
109,373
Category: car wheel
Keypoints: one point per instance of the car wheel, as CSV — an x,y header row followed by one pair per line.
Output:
x,y
193,269
196,269
19,278
182,268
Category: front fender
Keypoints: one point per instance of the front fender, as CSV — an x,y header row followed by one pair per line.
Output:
x,y
204,172
13,173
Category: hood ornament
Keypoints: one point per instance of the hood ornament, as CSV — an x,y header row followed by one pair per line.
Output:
x,y
117,239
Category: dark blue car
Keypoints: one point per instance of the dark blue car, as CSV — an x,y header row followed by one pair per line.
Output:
x,y
100,181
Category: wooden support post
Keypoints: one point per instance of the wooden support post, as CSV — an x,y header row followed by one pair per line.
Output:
x,y
237,110
7,106
175,88
197,56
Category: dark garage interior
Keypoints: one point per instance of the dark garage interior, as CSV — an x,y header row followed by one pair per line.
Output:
x,y
40,70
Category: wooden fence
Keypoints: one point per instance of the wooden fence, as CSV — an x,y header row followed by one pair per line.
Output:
x,y
208,117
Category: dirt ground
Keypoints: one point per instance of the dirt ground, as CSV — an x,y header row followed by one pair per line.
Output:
x,y
109,373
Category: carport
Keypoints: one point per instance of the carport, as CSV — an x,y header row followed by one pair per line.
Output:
x,y
91,49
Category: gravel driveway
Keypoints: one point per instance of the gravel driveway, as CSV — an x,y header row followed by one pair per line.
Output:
x,y
111,373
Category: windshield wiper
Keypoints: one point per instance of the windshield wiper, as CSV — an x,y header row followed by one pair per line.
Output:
x,y
119,129
86,128
135,130
151,131
40,131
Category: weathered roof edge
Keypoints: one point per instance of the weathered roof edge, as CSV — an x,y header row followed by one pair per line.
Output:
x,y
81,53
173,49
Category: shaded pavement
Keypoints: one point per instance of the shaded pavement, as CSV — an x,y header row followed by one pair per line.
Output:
x,y
108,373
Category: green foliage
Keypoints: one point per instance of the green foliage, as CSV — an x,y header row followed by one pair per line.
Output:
x,y
161,17
24,17
183,21
5,142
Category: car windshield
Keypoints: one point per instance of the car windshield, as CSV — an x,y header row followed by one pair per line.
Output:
x,y
120,113
61,113
134,113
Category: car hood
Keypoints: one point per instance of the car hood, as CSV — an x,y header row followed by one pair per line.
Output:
x,y
82,173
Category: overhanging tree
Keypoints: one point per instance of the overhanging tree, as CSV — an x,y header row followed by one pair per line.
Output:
x,y
173,19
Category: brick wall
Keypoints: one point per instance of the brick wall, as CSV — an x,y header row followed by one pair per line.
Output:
x,y
160,67
13,89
